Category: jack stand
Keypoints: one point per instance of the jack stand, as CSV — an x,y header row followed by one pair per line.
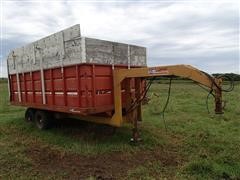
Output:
x,y
135,136
135,131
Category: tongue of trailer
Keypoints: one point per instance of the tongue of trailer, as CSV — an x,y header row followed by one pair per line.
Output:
x,y
214,84
133,107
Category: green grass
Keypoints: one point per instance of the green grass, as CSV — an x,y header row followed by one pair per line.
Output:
x,y
205,146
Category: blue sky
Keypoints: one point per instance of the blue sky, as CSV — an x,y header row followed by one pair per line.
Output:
x,y
204,34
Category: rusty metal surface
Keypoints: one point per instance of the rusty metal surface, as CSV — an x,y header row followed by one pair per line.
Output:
x,y
68,47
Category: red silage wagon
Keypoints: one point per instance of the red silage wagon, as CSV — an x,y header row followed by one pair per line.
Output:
x,y
101,81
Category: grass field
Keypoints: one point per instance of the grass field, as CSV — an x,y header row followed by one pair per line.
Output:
x,y
195,145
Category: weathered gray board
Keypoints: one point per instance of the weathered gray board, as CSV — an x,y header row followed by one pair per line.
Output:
x,y
68,47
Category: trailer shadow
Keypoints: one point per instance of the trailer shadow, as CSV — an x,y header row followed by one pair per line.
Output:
x,y
102,136
89,131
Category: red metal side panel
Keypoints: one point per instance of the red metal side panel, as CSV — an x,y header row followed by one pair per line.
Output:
x,y
82,88
104,86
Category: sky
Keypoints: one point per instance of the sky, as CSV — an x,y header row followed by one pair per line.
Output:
x,y
202,33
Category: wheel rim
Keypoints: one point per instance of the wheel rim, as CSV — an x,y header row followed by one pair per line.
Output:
x,y
29,116
39,120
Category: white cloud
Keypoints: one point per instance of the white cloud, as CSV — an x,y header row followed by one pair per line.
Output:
x,y
180,32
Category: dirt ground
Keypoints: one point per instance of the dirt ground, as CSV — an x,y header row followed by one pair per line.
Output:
x,y
106,166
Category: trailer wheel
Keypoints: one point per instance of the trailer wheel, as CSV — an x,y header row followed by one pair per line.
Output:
x,y
29,115
42,120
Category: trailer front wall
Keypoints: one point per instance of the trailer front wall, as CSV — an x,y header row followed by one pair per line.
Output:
x,y
82,88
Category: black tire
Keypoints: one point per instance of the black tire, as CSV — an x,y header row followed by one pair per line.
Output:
x,y
42,120
29,115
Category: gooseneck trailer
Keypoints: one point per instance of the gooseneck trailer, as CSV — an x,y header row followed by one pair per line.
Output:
x,y
66,74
